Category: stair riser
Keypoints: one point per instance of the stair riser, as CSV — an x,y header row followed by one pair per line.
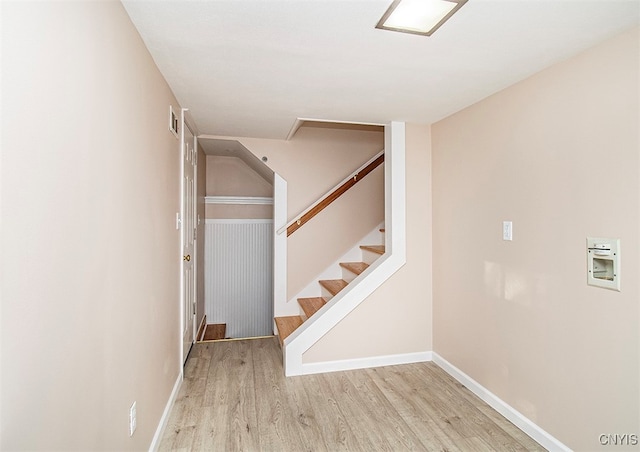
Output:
x,y
303,315
347,275
326,294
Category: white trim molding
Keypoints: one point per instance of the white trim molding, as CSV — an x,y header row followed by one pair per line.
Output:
x,y
240,200
300,121
237,220
365,363
514,416
157,437
279,246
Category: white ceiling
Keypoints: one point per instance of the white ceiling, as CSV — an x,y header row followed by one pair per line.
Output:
x,y
251,68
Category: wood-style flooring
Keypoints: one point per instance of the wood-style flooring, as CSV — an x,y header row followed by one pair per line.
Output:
x,y
235,398
215,332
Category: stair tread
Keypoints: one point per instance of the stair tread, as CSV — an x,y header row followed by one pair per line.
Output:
x,y
333,285
311,305
286,326
215,331
355,267
379,249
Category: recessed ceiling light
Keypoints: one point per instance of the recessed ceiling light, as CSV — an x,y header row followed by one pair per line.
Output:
x,y
420,17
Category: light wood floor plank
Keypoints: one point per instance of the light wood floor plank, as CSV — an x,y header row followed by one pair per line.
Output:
x,y
278,427
424,419
524,442
334,385
305,415
240,413
378,410
210,433
227,408
422,393
475,421
335,427
235,398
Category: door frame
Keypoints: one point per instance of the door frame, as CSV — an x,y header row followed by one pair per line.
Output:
x,y
187,121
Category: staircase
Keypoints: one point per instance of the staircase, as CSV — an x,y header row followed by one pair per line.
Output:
x,y
329,288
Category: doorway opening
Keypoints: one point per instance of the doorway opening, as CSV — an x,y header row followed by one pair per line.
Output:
x,y
238,243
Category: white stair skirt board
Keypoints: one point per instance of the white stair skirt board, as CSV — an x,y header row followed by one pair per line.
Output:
x,y
157,437
514,416
279,246
365,363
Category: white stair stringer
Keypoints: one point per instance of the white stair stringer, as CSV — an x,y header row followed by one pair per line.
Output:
x,y
373,277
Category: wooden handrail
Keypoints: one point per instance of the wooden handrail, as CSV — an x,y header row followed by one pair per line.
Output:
x,y
334,194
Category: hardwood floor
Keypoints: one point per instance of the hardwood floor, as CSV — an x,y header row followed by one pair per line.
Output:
x,y
235,398
215,332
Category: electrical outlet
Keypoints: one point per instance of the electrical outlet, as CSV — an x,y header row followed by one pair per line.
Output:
x,y
132,419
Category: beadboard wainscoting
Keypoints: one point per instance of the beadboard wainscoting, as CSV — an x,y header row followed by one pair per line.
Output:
x,y
239,276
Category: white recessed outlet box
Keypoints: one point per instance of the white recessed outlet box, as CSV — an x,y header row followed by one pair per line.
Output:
x,y
132,419
603,263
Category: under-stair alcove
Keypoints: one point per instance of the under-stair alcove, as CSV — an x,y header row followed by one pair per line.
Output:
x,y
238,243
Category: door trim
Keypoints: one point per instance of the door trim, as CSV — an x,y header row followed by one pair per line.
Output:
x,y
187,121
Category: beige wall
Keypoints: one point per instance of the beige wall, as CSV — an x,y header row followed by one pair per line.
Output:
x,y
313,162
90,253
230,176
557,154
239,211
396,318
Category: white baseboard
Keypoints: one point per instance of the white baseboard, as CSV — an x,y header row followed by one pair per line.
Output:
x,y
514,416
201,328
365,363
155,443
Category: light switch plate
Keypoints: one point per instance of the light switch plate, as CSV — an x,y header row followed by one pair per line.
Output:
x,y
133,422
507,230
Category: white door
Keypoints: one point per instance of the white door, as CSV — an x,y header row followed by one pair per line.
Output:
x,y
188,212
